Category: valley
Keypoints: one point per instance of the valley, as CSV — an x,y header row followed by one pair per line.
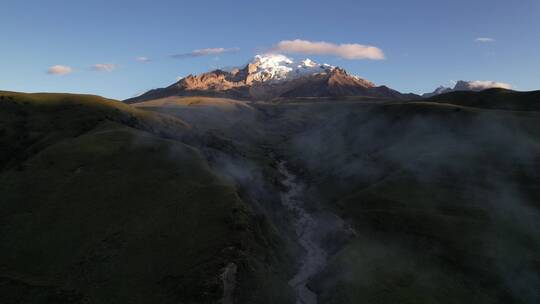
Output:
x,y
209,200
270,152
401,175
311,227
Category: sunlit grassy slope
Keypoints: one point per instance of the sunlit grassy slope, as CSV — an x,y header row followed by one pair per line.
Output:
x,y
32,121
205,112
103,203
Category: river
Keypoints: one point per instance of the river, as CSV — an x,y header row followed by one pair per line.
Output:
x,y
311,227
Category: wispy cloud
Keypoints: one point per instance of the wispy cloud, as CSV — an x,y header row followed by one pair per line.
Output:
x,y
351,51
205,52
484,39
104,67
59,70
142,59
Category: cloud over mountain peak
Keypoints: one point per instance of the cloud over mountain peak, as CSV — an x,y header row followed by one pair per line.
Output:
x,y
350,51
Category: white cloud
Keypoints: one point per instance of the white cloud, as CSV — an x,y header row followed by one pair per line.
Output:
x,y
104,67
484,39
351,51
59,70
142,59
487,84
206,52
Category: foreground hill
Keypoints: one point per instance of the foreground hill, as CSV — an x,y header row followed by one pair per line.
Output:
x,y
105,203
439,200
443,199
274,76
441,195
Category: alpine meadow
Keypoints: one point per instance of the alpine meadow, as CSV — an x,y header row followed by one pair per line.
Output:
x,y
275,152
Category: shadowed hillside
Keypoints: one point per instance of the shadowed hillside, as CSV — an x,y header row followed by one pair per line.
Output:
x,y
102,202
458,182
180,199
444,201
496,99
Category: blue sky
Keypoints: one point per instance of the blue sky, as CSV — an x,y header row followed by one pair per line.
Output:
x,y
425,43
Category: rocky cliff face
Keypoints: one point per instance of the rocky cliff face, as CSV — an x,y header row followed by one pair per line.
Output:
x,y
274,76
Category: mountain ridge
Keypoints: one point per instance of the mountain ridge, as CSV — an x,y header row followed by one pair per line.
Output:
x,y
494,98
274,76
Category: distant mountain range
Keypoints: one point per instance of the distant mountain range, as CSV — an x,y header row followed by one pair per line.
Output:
x,y
272,77
495,99
474,86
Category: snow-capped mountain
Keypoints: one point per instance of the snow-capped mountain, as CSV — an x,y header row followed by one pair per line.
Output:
x,y
475,85
281,68
273,76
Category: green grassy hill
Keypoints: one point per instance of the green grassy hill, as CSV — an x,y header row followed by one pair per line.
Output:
x,y
443,198
30,122
158,202
103,203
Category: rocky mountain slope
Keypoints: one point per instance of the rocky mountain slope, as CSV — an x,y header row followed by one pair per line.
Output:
x,y
274,76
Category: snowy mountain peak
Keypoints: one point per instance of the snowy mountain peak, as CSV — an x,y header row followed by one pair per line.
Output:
x,y
308,63
277,67
271,76
272,60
